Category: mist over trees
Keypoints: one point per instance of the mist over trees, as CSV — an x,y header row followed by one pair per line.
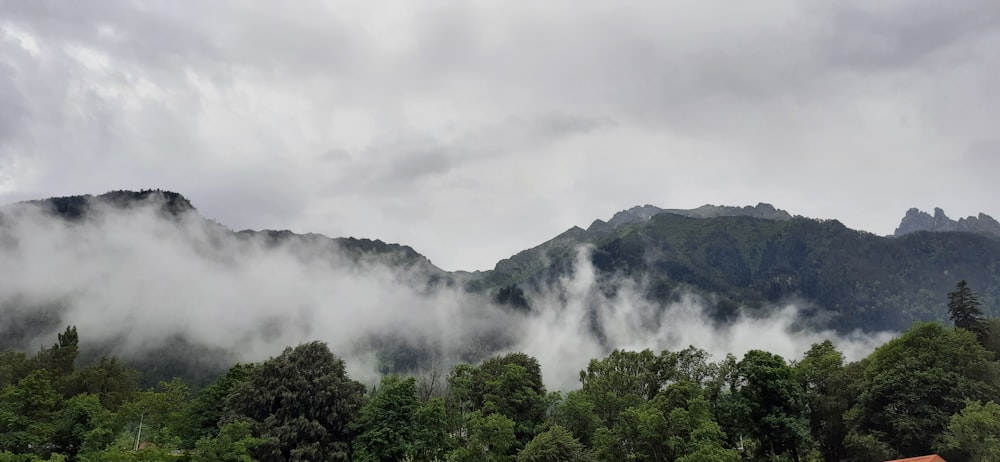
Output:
x,y
650,342
932,389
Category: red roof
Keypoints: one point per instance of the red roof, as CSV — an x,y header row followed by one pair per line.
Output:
x,y
930,458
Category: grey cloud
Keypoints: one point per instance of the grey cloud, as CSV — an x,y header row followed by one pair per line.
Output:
x,y
442,108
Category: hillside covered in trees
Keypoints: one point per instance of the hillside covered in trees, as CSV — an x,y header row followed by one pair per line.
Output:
x,y
120,263
854,279
174,313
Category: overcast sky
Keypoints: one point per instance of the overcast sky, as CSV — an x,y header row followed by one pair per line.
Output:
x,y
471,130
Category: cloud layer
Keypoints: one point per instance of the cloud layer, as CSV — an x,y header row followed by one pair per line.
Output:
x,y
139,279
471,130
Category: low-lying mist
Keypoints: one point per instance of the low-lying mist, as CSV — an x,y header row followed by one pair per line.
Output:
x,y
137,279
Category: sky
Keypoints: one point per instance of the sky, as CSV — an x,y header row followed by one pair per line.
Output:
x,y
472,130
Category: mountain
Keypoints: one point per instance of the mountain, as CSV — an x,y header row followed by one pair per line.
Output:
x,y
523,265
737,261
916,220
102,234
753,259
175,206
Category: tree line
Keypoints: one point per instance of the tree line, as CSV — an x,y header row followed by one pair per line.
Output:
x,y
932,389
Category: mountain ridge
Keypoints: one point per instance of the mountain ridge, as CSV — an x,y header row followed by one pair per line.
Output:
x,y
917,220
737,258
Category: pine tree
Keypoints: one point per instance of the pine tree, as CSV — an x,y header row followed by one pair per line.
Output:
x,y
963,307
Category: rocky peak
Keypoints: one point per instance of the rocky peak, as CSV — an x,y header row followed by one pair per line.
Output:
x,y
77,207
643,213
917,220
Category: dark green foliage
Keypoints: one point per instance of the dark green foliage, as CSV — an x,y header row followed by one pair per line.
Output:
x,y
771,406
28,412
490,438
60,358
973,435
393,424
513,296
301,404
829,392
206,411
509,385
991,341
77,207
911,387
554,445
234,443
677,423
865,281
163,411
621,380
577,415
111,380
625,379
83,425
431,440
14,365
964,309
916,394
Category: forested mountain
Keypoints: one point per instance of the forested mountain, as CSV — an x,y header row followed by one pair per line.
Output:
x,y
739,260
168,301
849,279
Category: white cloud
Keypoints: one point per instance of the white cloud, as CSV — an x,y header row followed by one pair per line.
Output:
x,y
138,279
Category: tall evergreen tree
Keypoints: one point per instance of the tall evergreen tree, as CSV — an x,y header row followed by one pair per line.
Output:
x,y
963,307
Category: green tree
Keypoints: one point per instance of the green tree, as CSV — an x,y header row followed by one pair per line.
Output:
x,y
111,380
621,380
162,411
60,358
206,410
773,405
678,422
490,438
27,415
509,385
387,421
14,365
431,440
828,392
577,415
234,443
912,386
83,425
554,445
964,309
973,434
301,404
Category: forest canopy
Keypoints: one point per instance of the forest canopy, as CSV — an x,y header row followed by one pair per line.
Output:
x,y
932,389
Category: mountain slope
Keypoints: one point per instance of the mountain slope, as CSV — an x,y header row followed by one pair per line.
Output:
x,y
738,260
846,279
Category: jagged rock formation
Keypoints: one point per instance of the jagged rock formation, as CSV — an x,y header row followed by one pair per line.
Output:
x,y
641,214
917,220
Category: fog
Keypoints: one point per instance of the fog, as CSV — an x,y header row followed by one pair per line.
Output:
x,y
137,279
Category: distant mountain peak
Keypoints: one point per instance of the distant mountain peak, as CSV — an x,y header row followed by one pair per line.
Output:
x,y
918,220
77,207
642,213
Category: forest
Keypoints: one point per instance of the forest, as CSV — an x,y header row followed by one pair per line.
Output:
x,y
933,389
